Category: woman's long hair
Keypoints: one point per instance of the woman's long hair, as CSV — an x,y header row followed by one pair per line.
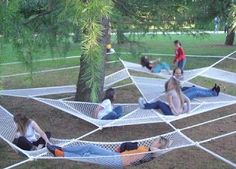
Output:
x,y
177,88
144,61
109,94
22,122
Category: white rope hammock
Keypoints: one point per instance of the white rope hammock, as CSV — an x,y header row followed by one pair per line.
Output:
x,y
150,88
133,115
221,75
85,111
109,81
179,141
8,129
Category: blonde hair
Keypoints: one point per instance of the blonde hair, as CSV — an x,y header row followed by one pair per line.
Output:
x,y
164,142
21,122
177,88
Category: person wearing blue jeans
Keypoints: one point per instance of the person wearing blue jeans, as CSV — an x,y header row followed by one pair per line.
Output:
x,y
195,92
160,66
154,66
106,110
115,159
165,108
176,100
181,64
88,150
114,114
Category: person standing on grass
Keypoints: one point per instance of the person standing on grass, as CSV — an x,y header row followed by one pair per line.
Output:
x,y
26,134
217,23
106,111
177,102
180,57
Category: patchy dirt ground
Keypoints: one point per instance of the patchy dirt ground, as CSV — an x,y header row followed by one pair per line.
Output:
x,y
63,125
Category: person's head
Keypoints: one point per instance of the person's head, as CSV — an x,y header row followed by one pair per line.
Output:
x,y
110,94
160,143
21,122
144,60
177,43
177,73
172,84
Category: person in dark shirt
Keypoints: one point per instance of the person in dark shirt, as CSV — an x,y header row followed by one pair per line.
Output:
x,y
154,66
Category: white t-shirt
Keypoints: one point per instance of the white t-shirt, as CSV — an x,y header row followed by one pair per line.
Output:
x,y
30,133
107,108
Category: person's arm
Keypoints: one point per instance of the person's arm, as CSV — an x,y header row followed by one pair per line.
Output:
x,y
97,110
187,100
170,102
40,131
156,61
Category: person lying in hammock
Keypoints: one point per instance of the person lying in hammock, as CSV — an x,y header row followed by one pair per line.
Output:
x,y
126,154
177,102
154,66
26,138
106,111
193,91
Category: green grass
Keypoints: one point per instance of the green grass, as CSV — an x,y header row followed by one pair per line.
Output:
x,y
211,45
156,44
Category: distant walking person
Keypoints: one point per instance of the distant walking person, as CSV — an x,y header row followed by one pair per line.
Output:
x,y
180,57
217,23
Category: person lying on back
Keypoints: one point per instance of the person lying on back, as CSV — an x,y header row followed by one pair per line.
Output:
x,y
125,155
193,91
154,66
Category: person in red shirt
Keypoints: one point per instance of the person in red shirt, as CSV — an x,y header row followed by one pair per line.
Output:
x,y
180,57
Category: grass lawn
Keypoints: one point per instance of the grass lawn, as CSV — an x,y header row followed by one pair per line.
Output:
x,y
55,120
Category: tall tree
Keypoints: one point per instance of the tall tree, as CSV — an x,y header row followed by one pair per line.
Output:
x,y
92,16
232,26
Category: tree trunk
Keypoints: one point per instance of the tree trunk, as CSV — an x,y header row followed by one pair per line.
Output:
x,y
83,92
229,41
121,38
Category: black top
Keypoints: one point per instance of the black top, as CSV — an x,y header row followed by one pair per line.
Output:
x,y
148,157
147,65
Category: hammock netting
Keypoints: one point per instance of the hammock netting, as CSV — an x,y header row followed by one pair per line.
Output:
x,y
151,88
8,129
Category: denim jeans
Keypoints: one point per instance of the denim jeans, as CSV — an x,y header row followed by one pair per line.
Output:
x,y
159,105
181,65
94,151
159,67
194,92
115,114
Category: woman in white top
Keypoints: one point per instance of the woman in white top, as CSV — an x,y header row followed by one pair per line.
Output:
x,y
26,137
106,111
177,102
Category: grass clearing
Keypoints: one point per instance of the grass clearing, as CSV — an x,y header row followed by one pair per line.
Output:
x,y
55,120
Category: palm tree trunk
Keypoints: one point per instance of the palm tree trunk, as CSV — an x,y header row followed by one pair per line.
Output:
x,y
83,92
229,41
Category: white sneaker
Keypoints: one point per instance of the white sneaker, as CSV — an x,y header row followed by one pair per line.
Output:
x,y
141,102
